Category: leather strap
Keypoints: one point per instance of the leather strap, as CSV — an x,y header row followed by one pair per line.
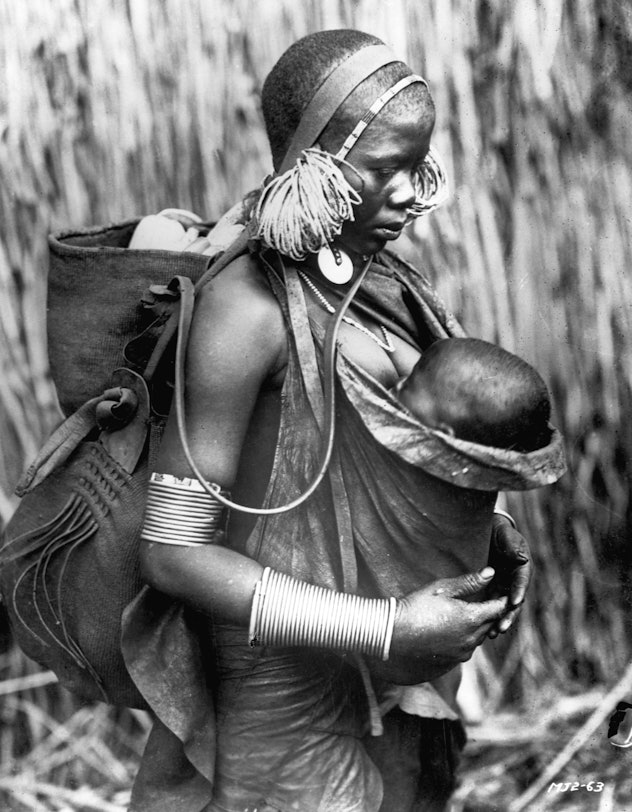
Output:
x,y
236,248
181,284
340,83
59,446
124,445
304,344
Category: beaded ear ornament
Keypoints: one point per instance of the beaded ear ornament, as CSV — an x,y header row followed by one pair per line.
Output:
x,y
303,208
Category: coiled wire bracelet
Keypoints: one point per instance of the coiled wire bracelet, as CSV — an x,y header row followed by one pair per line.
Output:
x,y
289,612
179,511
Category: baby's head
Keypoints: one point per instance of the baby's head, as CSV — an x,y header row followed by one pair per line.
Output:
x,y
479,392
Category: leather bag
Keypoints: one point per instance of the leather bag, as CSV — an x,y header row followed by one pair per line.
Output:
x,y
69,558
69,562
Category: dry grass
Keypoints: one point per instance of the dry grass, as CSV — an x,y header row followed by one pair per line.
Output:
x,y
57,754
112,109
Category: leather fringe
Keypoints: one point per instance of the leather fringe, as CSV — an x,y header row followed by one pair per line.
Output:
x,y
55,543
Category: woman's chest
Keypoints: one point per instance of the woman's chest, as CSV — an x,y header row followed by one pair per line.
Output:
x,y
370,345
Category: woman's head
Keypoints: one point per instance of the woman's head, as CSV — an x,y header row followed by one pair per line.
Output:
x,y
388,153
302,69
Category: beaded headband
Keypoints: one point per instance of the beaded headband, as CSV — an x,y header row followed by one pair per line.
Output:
x,y
373,110
304,207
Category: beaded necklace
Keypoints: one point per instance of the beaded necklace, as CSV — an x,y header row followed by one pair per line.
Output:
x,y
387,345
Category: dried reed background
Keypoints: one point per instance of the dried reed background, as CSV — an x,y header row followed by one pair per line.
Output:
x,y
109,109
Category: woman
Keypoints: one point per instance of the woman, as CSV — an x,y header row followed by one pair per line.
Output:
x,y
292,722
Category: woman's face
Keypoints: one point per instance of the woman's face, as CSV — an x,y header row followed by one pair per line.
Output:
x,y
386,156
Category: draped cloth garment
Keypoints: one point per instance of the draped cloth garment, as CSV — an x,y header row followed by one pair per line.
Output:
x,y
378,525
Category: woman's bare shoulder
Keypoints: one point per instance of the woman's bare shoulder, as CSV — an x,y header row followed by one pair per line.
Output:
x,y
237,311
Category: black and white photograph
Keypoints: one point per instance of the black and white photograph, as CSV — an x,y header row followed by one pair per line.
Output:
x,y
315,435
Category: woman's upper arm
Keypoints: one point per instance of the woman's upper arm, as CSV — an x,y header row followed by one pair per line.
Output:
x,y
237,343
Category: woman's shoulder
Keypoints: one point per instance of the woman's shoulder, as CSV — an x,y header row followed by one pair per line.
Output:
x,y
241,289
238,311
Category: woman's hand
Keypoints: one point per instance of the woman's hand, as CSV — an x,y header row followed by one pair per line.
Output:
x,y
509,556
439,626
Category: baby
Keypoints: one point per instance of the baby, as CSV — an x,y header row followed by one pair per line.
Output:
x,y
477,391
474,391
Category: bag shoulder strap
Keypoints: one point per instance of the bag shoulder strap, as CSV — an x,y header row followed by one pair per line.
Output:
x,y
186,289
287,286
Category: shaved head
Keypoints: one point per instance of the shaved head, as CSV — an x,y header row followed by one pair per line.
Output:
x,y
303,68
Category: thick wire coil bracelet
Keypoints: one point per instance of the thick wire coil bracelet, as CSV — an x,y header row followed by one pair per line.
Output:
x,y
290,612
179,511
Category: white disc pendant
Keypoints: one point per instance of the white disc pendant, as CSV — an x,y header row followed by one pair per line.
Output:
x,y
335,265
